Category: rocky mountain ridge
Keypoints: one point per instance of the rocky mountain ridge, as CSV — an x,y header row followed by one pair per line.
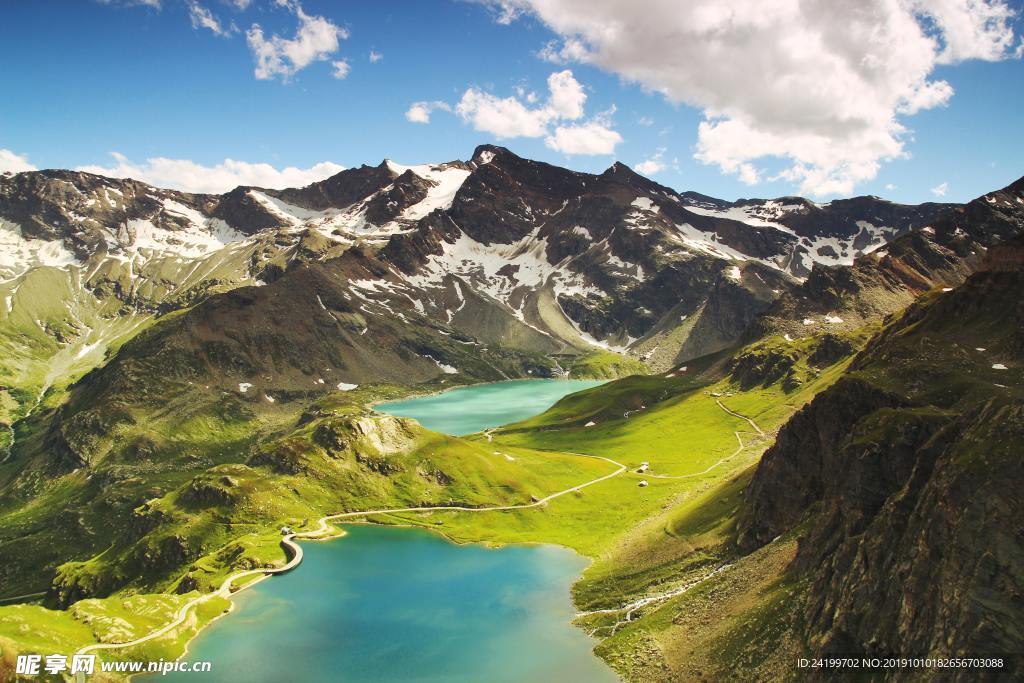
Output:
x,y
942,254
559,260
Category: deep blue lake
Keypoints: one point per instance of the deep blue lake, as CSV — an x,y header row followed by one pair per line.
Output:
x,y
472,409
401,605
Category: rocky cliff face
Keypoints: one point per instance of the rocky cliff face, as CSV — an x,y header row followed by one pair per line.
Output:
x,y
907,480
941,254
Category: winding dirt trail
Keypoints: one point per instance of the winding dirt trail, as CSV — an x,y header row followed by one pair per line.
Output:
x,y
631,608
727,458
321,530
742,417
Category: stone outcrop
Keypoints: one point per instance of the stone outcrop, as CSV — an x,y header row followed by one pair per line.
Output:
x,y
904,482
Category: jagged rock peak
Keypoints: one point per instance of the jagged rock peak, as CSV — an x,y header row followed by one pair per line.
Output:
x,y
485,154
619,167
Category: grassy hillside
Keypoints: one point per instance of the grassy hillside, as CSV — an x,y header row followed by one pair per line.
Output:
x,y
183,496
200,523
604,365
881,467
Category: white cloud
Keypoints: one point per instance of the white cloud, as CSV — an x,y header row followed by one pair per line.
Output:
x,y
203,18
592,137
241,5
564,52
375,56
645,121
530,96
927,95
567,96
419,112
504,117
522,116
315,40
188,176
940,190
652,164
968,29
748,174
821,85
11,162
504,12
128,3
890,186
340,68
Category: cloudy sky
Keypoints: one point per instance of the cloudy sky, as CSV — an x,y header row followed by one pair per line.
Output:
x,y
914,100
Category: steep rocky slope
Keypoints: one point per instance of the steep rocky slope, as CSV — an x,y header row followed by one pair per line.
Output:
x,y
908,478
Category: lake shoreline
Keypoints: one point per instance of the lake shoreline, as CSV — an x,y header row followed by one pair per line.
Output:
x,y
481,425
427,394
341,532
331,531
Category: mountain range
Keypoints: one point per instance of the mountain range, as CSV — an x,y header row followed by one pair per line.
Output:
x,y
498,249
175,364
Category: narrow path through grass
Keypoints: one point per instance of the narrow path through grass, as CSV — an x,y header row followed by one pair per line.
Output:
x,y
732,455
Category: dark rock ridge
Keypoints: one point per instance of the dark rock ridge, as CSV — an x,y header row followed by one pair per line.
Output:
x,y
905,481
943,253
613,259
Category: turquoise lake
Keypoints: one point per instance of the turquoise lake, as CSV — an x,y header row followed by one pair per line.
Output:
x,y
400,605
403,605
472,409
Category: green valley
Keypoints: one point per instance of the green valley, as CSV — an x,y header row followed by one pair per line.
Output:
x,y
756,450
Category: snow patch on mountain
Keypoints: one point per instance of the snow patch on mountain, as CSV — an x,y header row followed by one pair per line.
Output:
x,y
632,270
18,254
140,234
645,204
522,263
289,213
708,243
445,182
758,215
338,224
444,367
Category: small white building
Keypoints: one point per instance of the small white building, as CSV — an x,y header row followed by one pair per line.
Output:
x,y
643,468
285,530
643,483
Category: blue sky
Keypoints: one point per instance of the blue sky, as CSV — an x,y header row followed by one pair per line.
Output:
x,y
87,78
